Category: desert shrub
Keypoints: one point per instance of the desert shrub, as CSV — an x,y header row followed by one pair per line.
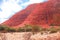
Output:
x,y
36,29
52,30
20,29
8,29
28,28
2,28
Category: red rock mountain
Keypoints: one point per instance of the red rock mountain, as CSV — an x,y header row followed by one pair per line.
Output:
x,y
46,13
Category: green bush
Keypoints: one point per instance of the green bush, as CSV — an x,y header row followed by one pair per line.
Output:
x,y
2,28
8,29
28,28
21,29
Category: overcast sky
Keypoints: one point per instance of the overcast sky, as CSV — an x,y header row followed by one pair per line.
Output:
x,y
10,7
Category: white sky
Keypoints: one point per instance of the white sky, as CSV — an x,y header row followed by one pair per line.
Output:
x,y
10,7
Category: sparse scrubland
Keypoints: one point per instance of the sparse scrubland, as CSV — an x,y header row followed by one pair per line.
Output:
x,y
29,32
29,28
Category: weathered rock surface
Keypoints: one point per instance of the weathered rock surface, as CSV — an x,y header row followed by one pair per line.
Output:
x,y
29,36
15,36
53,36
42,14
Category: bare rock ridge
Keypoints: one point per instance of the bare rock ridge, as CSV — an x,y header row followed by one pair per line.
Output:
x,y
19,17
45,13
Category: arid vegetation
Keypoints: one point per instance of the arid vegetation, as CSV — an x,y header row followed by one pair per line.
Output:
x,y
29,28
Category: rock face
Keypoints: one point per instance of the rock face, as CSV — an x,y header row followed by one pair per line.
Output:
x,y
46,13
29,36
15,36
19,17
53,36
